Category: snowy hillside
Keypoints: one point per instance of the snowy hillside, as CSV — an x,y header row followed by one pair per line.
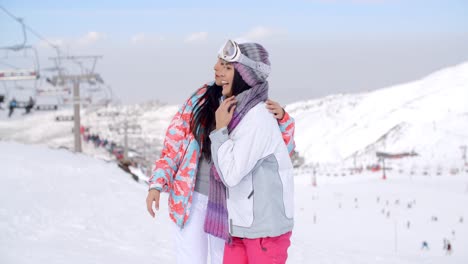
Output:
x,y
152,120
428,116
59,207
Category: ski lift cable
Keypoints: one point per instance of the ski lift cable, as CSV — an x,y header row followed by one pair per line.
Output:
x,y
9,65
25,26
19,20
25,40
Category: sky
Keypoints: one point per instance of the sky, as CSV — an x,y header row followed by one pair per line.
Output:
x,y
164,50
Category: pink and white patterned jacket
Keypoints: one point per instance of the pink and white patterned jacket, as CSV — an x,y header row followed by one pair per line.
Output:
x,y
176,169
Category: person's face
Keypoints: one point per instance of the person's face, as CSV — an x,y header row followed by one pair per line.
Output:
x,y
227,78
218,68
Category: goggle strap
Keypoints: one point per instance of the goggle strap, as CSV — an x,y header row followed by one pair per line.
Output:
x,y
257,65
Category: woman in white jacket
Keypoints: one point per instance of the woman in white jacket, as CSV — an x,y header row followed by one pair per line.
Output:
x,y
252,161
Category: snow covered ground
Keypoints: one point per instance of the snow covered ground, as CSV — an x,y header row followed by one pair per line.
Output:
x,y
60,207
41,127
428,116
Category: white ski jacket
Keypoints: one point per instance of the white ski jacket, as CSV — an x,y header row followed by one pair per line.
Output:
x,y
254,164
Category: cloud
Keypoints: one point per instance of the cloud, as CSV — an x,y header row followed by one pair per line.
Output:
x,y
138,38
85,40
261,33
90,38
56,42
196,37
143,38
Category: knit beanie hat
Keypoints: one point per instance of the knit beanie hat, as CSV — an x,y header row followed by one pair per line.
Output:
x,y
255,52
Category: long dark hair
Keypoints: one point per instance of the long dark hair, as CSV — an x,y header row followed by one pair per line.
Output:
x,y
203,120
238,84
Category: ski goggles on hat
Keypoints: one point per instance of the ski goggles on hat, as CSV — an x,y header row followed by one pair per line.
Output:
x,y
231,52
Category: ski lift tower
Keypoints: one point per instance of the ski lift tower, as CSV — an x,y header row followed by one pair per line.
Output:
x,y
463,149
126,128
84,76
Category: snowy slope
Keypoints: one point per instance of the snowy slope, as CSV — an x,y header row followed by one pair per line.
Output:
x,y
429,116
59,207
42,127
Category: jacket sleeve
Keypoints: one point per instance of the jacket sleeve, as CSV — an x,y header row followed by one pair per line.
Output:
x,y
287,126
166,166
237,154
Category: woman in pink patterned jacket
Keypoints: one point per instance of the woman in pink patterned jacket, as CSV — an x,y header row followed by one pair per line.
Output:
x,y
183,171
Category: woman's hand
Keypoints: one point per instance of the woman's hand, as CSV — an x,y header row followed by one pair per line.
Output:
x,y
153,196
275,108
225,111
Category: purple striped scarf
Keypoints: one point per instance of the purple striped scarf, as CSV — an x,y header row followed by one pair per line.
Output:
x,y
216,220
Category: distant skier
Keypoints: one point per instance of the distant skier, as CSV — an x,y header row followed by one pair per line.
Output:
x,y
12,106
29,106
2,98
425,245
449,248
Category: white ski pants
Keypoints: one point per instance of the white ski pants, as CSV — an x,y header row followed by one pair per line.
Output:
x,y
192,244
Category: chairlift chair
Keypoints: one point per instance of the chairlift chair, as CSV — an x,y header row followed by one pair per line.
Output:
x,y
20,74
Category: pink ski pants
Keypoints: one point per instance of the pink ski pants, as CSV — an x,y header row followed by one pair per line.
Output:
x,y
268,250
